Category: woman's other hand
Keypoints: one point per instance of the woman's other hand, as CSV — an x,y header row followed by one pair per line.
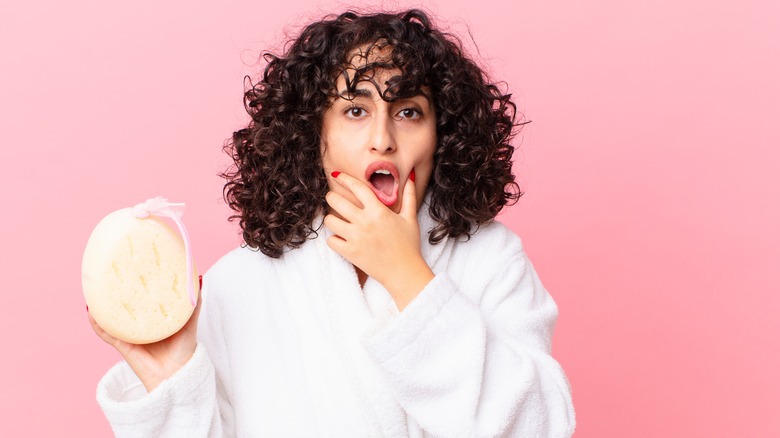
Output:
x,y
155,362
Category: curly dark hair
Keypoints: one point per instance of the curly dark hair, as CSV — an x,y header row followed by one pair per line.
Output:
x,y
277,186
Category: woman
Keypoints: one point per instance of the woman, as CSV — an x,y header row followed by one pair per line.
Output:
x,y
375,294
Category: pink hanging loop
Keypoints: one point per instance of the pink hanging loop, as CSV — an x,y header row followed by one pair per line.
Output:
x,y
159,206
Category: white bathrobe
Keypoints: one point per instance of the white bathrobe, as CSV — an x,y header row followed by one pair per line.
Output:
x,y
293,347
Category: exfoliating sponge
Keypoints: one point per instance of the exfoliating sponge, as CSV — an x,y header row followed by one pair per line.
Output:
x,y
134,277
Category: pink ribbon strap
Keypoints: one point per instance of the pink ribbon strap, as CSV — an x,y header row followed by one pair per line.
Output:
x,y
160,206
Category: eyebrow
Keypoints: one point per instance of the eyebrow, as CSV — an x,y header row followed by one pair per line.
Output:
x,y
359,92
368,93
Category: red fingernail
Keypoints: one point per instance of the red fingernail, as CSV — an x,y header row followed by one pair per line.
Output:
x,y
200,282
411,175
87,308
335,174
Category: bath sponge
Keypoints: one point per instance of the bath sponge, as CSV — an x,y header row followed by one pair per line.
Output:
x,y
134,277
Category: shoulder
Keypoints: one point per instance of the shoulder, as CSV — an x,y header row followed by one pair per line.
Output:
x,y
238,260
491,238
238,272
244,268
492,249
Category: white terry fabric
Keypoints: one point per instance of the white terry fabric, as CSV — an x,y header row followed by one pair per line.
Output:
x,y
294,347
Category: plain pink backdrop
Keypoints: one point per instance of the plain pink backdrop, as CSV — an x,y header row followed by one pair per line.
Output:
x,y
651,210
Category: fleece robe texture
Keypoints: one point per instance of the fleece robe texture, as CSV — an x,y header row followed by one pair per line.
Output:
x,y
295,347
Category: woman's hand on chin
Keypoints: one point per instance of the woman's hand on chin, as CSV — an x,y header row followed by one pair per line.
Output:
x,y
383,244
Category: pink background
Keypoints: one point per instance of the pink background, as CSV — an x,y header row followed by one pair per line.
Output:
x,y
650,213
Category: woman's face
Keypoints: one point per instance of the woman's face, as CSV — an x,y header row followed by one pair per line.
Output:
x,y
379,142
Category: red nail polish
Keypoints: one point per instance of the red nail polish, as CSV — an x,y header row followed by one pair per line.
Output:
x,y
87,308
200,282
411,175
335,174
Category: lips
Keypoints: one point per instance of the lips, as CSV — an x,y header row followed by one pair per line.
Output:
x,y
383,180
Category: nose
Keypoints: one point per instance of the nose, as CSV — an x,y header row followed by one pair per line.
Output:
x,y
382,136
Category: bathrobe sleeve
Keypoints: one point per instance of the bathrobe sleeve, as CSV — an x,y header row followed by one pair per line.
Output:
x,y
472,357
190,403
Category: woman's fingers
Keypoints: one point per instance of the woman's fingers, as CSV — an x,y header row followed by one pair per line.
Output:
x,y
102,334
341,205
339,245
119,345
409,200
358,188
338,226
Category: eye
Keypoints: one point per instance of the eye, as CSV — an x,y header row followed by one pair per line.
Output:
x,y
355,112
410,113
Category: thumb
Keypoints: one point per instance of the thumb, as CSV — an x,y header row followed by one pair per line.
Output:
x,y
409,206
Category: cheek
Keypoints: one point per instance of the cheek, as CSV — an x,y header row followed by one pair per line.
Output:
x,y
326,165
329,152
323,145
425,159
335,151
430,140
424,171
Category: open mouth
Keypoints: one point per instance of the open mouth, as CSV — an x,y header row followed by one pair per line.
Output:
x,y
383,179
